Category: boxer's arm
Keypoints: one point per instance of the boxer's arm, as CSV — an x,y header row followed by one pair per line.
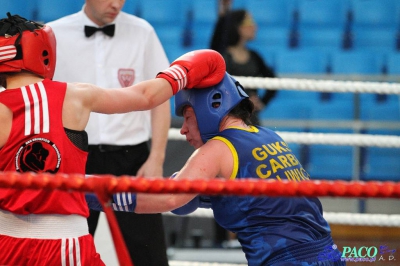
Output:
x,y
124,201
197,69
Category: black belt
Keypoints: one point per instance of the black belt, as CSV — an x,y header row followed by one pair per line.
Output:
x,y
111,148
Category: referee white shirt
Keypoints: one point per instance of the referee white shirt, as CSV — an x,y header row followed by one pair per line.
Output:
x,y
132,55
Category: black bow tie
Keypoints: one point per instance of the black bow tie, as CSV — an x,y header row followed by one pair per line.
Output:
x,y
108,30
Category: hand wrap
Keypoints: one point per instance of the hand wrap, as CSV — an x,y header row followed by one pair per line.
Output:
x,y
124,201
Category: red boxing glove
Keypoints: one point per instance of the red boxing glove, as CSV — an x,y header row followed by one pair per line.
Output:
x,y
196,69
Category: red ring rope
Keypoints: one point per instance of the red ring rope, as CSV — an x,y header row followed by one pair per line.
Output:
x,y
109,184
106,185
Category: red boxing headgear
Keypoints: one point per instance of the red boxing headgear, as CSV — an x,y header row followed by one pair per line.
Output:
x,y
27,45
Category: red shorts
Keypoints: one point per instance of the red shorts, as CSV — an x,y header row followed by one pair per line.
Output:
x,y
75,251
46,240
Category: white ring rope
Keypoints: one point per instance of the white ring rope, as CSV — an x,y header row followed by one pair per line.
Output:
x,y
319,85
363,140
384,141
362,219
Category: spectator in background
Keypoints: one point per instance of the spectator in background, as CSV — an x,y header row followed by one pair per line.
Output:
x,y
234,29
124,51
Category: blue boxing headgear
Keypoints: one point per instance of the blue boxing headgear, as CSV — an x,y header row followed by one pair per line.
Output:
x,y
211,104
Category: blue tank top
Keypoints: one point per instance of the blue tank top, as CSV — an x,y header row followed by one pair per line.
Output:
x,y
266,225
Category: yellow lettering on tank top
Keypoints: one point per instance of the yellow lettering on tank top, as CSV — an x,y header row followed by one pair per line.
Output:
x,y
270,150
277,147
292,175
261,173
292,159
304,173
259,154
283,160
300,174
288,176
275,165
274,157
297,174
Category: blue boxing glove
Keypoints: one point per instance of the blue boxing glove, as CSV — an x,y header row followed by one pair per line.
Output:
x,y
93,202
204,202
191,206
124,201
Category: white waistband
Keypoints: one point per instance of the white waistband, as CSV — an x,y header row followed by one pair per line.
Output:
x,y
42,226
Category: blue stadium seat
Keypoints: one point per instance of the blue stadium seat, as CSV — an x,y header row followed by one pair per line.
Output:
x,y
381,37
309,61
393,66
356,62
360,62
272,12
375,98
387,109
201,35
296,149
132,7
373,13
382,163
304,61
204,12
204,18
271,37
164,12
239,4
26,9
326,13
326,38
334,110
170,34
49,10
289,105
329,161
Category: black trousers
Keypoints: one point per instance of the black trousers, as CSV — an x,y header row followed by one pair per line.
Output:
x,y
143,233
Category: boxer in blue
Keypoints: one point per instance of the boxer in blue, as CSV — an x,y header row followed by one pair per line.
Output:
x,y
271,230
